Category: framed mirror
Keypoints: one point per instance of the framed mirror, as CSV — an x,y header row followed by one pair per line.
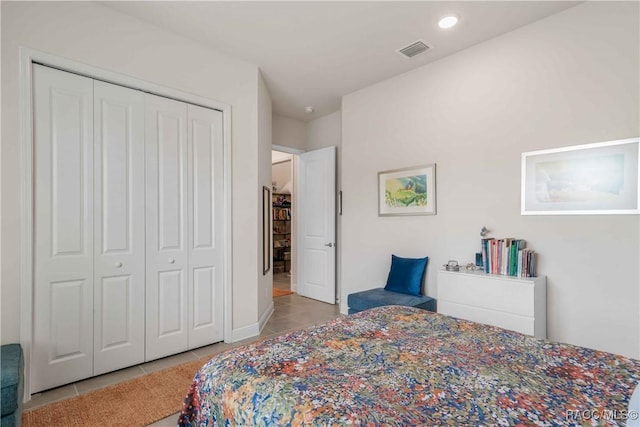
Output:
x,y
266,230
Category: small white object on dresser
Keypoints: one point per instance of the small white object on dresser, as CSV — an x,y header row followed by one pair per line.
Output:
x,y
515,303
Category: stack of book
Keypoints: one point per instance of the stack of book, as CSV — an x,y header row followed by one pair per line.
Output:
x,y
508,257
281,214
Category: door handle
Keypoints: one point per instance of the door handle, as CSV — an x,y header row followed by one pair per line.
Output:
x,y
172,261
329,244
118,264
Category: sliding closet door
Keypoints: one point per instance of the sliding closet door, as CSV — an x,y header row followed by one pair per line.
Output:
x,y
167,242
119,227
63,228
205,226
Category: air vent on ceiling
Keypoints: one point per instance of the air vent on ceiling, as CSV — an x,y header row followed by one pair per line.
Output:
x,y
414,49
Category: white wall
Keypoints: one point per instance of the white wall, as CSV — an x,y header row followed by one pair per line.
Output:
x,y
569,79
325,131
288,132
103,38
265,282
281,174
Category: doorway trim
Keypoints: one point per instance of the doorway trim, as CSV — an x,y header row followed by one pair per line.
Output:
x,y
29,56
294,209
286,149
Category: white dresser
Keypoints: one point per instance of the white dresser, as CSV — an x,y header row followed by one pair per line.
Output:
x,y
515,303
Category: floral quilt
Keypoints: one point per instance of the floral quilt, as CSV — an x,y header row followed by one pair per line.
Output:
x,y
400,366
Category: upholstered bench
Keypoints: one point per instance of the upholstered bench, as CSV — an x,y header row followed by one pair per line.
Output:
x,y
378,297
11,364
403,287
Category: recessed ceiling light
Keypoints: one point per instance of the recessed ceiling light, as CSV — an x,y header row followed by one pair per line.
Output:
x,y
448,21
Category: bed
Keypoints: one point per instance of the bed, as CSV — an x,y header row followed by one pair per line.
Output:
x,y
401,366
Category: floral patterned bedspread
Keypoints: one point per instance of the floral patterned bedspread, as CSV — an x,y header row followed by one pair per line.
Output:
x,y
400,366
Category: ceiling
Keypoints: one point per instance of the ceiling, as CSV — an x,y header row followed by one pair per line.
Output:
x,y
313,53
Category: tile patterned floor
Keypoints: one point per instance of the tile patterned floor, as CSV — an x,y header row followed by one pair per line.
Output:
x,y
282,281
290,312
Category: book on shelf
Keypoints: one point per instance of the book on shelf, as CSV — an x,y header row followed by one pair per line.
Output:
x,y
281,213
283,201
508,257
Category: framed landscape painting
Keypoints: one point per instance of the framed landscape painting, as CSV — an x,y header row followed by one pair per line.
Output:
x,y
599,178
409,191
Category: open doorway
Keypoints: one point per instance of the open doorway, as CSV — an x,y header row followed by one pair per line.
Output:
x,y
283,217
304,218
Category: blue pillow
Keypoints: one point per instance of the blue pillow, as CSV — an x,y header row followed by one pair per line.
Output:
x,y
406,275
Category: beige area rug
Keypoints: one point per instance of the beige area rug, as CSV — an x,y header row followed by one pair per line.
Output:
x,y
281,292
137,402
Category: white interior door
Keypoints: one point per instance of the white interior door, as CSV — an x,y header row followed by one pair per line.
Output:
x,y
316,197
119,301
166,225
63,228
205,302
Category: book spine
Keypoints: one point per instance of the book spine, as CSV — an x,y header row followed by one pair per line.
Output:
x,y
503,251
485,264
492,254
512,255
507,258
494,257
514,259
533,264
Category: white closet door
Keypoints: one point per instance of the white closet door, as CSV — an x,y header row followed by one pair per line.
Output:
x,y
63,228
205,226
119,227
167,241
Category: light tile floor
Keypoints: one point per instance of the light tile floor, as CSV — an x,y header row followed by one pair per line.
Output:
x,y
290,312
282,281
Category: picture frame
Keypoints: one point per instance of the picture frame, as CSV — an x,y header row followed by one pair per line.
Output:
x,y
407,191
266,230
589,179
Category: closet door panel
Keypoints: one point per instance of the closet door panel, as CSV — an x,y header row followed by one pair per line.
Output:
x,y
204,298
205,224
170,293
63,228
119,232
166,195
115,319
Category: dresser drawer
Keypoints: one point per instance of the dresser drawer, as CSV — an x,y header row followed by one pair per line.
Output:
x,y
508,296
513,322
517,304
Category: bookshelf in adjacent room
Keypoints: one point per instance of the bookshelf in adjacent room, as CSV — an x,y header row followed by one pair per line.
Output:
x,y
281,232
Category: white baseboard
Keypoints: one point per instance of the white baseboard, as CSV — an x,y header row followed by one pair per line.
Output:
x,y
344,309
265,316
245,332
253,329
